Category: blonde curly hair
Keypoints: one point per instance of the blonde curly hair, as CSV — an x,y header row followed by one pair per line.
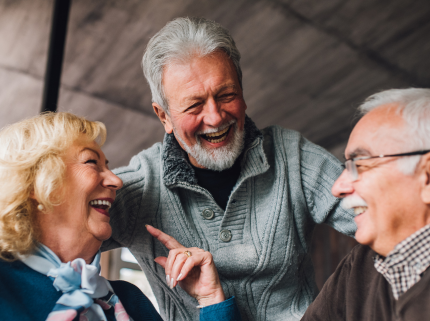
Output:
x,y
31,167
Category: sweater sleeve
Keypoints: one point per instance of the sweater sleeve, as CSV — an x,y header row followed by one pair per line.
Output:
x,y
141,309
330,303
224,311
319,171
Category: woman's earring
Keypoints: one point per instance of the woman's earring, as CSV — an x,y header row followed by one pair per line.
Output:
x,y
40,207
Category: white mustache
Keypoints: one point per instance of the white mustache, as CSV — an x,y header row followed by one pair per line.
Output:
x,y
352,201
214,130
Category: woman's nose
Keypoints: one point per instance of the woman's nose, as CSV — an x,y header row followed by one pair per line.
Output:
x,y
112,181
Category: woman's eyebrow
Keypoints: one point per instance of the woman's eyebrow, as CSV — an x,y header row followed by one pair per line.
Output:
x,y
94,151
90,149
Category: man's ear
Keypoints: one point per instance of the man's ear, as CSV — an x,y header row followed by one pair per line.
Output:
x,y
425,178
164,118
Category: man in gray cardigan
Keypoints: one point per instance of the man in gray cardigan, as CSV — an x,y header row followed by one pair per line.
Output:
x,y
387,183
251,197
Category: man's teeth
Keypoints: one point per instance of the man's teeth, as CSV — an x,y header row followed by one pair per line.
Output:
x,y
217,140
211,137
100,202
359,210
218,133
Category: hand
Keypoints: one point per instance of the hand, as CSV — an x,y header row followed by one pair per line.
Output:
x,y
196,274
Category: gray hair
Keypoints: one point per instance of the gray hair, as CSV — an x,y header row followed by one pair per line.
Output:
x,y
180,40
414,106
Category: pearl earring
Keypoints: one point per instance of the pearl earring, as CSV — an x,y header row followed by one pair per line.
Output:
x,y
40,207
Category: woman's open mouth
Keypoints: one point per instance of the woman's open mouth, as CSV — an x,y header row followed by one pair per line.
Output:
x,y
217,137
102,205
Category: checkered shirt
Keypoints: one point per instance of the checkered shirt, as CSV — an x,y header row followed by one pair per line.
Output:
x,y
404,265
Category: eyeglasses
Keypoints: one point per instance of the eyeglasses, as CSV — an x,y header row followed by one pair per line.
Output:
x,y
351,167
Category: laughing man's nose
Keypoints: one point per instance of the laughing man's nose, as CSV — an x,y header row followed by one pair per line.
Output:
x,y
213,115
343,185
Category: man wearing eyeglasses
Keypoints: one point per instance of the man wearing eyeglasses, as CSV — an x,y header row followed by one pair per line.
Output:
x,y
387,183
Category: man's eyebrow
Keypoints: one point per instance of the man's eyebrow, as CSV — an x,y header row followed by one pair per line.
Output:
x,y
358,152
186,100
191,99
223,88
227,86
198,96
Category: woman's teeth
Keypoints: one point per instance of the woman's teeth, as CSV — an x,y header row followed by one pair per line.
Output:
x,y
101,203
217,137
359,210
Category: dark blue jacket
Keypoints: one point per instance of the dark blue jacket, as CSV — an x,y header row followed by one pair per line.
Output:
x,y
28,295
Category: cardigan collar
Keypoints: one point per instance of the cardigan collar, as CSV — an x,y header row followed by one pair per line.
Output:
x,y
177,167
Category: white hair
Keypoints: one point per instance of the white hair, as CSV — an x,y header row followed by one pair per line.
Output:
x,y
414,106
180,40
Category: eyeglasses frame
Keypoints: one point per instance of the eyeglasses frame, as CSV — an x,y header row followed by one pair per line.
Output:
x,y
351,167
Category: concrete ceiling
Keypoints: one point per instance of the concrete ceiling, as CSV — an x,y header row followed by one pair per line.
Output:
x,y
306,64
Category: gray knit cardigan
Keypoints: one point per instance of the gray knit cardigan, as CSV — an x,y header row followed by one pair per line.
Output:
x,y
283,190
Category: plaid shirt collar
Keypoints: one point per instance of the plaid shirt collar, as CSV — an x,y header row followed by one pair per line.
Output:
x,y
404,265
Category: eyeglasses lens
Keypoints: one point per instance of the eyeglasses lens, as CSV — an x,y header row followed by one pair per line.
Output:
x,y
352,169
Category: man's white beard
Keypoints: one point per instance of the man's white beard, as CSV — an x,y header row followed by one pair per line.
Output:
x,y
217,159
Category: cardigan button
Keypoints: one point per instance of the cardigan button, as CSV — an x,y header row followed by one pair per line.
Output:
x,y
208,214
225,235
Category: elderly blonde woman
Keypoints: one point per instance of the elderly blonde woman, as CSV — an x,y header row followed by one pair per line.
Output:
x,y
55,194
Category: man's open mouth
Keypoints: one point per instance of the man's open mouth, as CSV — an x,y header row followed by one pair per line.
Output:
x,y
360,210
217,137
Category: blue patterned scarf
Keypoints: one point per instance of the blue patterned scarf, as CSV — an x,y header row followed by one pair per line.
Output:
x,y
85,293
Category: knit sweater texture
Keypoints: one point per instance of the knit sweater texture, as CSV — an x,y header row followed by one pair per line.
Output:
x,y
282,192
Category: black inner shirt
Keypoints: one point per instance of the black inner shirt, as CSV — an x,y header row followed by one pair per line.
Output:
x,y
219,184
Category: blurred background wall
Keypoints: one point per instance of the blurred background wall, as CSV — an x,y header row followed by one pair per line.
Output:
x,y
307,64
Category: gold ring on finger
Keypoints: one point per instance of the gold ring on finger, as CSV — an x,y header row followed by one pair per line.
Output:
x,y
188,253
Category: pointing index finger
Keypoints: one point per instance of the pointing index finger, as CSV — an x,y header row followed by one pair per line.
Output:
x,y
167,240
